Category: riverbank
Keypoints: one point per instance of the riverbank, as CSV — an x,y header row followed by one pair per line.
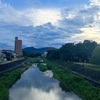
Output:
x,y
8,79
8,66
71,82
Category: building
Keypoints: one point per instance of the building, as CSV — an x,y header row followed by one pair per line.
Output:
x,y
18,46
44,54
2,56
10,55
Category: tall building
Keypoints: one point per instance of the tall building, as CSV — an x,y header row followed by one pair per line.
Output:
x,y
18,46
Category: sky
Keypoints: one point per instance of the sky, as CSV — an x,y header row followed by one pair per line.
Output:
x,y
48,23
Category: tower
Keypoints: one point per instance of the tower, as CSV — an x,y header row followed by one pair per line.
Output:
x,y
18,46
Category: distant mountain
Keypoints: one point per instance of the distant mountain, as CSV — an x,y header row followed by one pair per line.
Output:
x,y
32,50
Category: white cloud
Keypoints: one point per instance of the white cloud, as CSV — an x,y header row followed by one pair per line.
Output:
x,y
30,16
94,2
43,16
9,14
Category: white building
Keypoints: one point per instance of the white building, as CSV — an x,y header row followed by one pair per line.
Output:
x,y
44,54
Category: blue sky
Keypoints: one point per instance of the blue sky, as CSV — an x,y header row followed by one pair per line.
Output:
x,y
48,23
45,3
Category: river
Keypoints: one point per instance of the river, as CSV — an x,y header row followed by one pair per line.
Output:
x,y
35,85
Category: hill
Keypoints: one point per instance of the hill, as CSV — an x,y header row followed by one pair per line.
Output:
x,y
32,50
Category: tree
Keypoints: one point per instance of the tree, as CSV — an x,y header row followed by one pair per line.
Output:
x,y
53,54
80,52
95,59
67,52
85,49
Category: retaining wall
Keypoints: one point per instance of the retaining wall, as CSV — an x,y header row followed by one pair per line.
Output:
x,y
10,65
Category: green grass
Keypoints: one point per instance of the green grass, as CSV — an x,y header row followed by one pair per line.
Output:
x,y
33,60
42,67
71,82
8,80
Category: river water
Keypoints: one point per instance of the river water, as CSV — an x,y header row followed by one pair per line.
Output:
x,y
35,85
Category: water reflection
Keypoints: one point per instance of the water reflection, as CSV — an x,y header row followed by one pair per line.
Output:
x,y
48,73
34,85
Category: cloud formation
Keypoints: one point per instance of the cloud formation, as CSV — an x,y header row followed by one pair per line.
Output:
x,y
29,16
91,18
49,27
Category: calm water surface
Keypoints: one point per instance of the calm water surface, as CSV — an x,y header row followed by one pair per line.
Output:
x,y
35,85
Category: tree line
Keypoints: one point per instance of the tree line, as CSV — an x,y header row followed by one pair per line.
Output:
x,y
87,51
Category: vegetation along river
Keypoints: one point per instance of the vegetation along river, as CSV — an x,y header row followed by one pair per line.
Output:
x,y
35,85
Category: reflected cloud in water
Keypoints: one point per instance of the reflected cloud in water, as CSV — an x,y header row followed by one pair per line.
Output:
x,y
34,85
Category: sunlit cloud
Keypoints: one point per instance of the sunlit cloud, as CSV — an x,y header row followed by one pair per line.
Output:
x,y
88,33
43,16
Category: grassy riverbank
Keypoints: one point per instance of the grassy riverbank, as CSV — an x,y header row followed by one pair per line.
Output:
x,y
7,80
74,83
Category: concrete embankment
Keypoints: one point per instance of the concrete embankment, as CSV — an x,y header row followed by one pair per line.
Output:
x,y
11,65
87,73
